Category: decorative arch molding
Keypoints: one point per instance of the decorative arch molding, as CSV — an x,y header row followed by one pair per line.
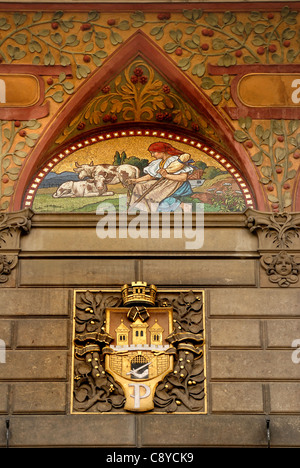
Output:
x,y
137,45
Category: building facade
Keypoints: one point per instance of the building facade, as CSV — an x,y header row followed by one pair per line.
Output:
x,y
149,224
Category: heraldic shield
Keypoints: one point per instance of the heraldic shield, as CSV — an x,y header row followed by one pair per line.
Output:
x,y
138,350
139,356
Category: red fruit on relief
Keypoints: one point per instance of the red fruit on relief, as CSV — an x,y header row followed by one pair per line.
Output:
x,y
260,50
85,27
205,46
272,48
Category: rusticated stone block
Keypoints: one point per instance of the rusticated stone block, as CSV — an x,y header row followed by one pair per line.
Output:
x,y
34,364
32,301
281,333
63,272
202,430
284,396
35,397
4,391
254,302
237,397
235,332
42,333
254,364
218,431
6,327
199,272
71,431
64,239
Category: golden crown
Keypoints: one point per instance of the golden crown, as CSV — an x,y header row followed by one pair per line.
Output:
x,y
139,292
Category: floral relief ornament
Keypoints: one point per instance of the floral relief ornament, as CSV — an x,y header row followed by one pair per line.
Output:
x,y
6,265
276,230
12,225
137,94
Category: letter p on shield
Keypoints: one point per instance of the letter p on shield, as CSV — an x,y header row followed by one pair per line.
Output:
x,y
137,395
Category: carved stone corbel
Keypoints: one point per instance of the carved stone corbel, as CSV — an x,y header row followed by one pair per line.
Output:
x,y
279,246
275,230
12,225
282,269
7,263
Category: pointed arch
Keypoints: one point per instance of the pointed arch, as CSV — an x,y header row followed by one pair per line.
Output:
x,y
139,44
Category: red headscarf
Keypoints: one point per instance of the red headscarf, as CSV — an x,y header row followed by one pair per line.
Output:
x,y
161,147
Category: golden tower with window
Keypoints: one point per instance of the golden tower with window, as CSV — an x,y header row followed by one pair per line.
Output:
x,y
139,332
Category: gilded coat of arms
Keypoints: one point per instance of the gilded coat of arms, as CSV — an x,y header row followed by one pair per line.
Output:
x,y
141,355
132,352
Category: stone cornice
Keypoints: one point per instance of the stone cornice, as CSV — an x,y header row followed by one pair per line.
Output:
x,y
73,220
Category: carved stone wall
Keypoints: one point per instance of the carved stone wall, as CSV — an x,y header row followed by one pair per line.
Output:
x,y
279,246
251,333
220,77
182,390
12,225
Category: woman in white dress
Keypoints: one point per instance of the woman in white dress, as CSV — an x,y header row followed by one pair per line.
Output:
x,y
164,182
